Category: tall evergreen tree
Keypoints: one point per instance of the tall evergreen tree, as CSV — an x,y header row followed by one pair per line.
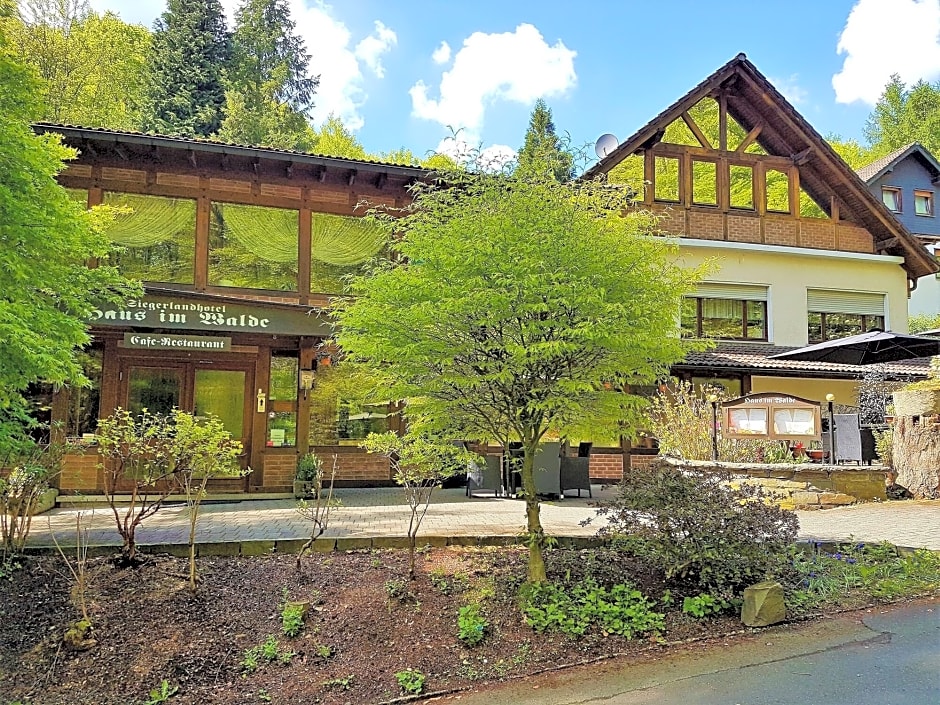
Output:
x,y
190,52
903,115
543,152
269,59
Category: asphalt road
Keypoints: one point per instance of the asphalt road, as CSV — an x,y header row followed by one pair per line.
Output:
x,y
884,656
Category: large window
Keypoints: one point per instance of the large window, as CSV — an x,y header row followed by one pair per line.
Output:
x,y
340,246
253,247
727,311
837,314
282,413
892,198
157,234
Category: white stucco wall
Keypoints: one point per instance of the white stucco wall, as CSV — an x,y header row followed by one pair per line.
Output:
x,y
788,272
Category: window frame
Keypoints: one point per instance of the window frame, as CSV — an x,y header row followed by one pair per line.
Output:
x,y
898,201
822,323
928,195
698,333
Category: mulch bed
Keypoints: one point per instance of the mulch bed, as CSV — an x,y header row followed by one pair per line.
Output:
x,y
149,627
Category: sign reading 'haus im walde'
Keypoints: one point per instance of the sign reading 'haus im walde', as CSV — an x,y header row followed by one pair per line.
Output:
x,y
201,315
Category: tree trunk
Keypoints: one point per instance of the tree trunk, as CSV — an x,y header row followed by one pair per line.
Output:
x,y
916,457
536,536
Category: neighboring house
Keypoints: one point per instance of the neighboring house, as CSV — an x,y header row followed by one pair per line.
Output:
x,y
804,251
908,181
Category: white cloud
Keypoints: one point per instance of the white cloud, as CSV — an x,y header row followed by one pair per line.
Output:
x,y
884,37
371,48
341,91
514,66
492,158
135,11
441,55
790,88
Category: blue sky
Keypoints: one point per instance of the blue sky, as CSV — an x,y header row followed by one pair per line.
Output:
x,y
400,72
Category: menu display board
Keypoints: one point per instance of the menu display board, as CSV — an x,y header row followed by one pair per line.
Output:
x,y
772,416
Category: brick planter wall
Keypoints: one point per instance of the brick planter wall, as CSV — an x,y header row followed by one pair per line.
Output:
x,y
80,473
606,467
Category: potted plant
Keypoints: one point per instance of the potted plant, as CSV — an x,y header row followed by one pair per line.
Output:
x,y
307,476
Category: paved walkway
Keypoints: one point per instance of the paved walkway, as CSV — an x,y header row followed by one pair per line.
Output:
x,y
383,514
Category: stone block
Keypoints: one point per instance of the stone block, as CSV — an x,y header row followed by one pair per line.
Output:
x,y
805,497
836,499
763,605
257,548
290,545
353,544
394,542
179,550
219,548
46,501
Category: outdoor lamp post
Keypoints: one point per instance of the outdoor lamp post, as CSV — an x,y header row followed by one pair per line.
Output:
x,y
713,400
832,427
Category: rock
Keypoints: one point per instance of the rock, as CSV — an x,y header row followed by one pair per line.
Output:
x,y
895,491
805,497
836,498
763,605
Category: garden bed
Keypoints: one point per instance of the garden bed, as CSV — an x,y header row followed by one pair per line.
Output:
x,y
365,624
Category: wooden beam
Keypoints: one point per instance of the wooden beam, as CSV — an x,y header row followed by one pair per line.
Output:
x,y
834,209
380,180
351,177
191,158
120,151
794,191
203,212
804,156
723,122
693,127
750,137
884,245
319,173
289,170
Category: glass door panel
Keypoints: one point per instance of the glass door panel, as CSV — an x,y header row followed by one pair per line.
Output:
x,y
156,389
222,393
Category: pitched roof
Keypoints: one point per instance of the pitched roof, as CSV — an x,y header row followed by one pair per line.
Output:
x,y
753,100
754,358
206,145
877,168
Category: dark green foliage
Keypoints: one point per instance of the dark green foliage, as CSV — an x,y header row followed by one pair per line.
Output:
x,y
471,625
189,54
266,49
574,608
543,152
162,693
708,536
704,605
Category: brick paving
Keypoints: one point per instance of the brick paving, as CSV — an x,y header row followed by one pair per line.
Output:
x,y
383,514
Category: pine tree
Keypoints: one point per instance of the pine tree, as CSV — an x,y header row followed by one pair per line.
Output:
x,y
269,60
542,152
190,52
903,115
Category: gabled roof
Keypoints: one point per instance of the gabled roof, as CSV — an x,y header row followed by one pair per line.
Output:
x,y
752,100
875,170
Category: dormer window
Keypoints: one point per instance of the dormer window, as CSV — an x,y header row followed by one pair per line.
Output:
x,y
923,202
892,198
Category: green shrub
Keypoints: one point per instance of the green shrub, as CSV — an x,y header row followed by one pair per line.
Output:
x,y
471,625
857,569
572,610
292,618
706,535
268,651
701,606
411,680
309,466
162,694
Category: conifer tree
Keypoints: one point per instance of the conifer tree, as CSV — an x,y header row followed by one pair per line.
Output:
x,y
190,52
543,152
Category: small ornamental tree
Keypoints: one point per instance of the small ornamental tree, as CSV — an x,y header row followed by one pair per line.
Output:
x,y
419,464
517,305
137,458
203,450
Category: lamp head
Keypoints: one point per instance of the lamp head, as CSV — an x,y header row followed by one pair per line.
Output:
x,y
830,397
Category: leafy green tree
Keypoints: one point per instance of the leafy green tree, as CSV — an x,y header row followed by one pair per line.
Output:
x,y
903,115
334,139
48,292
186,69
543,151
259,120
922,322
92,66
519,307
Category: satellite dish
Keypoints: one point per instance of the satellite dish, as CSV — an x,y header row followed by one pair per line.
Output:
x,y
605,145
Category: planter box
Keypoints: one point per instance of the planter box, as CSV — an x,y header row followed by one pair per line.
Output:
x,y
916,402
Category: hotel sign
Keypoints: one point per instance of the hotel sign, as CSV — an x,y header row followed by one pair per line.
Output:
x,y
165,341
209,316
